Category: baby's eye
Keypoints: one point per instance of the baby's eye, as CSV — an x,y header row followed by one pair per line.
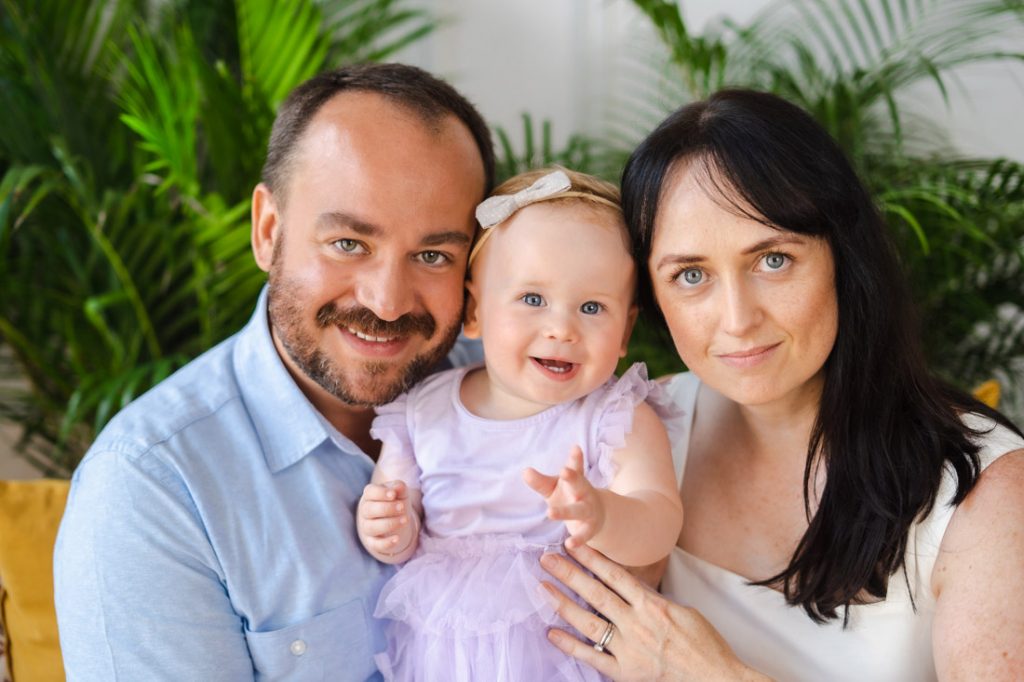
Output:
x,y
591,308
692,276
775,261
533,299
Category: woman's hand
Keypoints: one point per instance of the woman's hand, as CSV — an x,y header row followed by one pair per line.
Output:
x,y
654,639
571,498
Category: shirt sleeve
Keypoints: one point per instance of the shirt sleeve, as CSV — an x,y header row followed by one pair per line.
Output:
x,y
138,589
397,459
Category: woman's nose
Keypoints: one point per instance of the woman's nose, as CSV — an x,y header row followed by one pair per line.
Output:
x,y
740,309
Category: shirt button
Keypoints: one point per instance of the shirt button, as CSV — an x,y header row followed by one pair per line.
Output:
x,y
298,647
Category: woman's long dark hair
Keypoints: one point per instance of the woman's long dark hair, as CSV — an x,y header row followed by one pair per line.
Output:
x,y
886,428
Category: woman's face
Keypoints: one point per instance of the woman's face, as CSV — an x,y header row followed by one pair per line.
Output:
x,y
752,310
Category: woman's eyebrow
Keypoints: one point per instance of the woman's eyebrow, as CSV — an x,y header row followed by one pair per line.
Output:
x,y
773,242
679,259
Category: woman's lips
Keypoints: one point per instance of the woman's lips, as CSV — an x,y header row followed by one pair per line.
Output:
x,y
751,357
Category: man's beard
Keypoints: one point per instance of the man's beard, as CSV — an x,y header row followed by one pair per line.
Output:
x,y
287,316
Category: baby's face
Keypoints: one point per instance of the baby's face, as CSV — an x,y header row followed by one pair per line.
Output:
x,y
552,298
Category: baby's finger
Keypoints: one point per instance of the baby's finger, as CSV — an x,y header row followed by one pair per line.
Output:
x,y
575,461
370,509
381,527
396,490
542,484
582,536
382,545
378,491
574,511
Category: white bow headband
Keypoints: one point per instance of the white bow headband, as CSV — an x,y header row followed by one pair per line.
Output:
x,y
495,210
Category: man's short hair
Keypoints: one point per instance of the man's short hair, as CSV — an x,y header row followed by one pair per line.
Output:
x,y
408,86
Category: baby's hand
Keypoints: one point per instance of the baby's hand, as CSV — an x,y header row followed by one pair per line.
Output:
x,y
382,518
570,498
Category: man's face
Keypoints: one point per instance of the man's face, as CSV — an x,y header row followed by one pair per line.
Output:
x,y
367,257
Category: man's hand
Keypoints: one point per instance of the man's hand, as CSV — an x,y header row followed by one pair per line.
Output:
x,y
570,498
383,518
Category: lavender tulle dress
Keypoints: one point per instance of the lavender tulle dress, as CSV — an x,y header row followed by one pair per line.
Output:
x,y
467,605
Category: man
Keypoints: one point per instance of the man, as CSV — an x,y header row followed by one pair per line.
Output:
x,y
209,533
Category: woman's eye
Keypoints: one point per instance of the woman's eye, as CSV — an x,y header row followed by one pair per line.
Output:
x,y
533,299
590,308
774,261
692,276
433,257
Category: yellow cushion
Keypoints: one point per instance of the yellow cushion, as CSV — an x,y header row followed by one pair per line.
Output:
x,y
30,512
988,393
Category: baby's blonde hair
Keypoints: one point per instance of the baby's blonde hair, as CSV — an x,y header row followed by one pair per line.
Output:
x,y
584,188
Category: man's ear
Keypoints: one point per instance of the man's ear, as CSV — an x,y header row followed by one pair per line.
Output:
x,y
634,311
471,320
266,224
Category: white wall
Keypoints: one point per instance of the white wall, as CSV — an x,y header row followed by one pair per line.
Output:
x,y
567,60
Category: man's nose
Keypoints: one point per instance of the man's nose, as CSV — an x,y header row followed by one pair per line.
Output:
x,y
386,291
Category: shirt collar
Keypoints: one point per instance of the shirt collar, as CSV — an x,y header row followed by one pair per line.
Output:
x,y
288,425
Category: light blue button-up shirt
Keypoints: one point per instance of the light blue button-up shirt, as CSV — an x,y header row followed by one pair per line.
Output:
x,y
210,532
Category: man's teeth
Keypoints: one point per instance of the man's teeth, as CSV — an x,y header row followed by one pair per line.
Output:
x,y
367,337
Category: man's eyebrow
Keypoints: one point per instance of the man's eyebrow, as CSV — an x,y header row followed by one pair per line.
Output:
x,y
332,220
451,237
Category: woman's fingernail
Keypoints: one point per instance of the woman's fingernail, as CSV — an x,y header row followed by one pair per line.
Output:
x,y
548,561
548,593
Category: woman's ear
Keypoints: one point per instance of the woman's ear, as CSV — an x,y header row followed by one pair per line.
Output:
x,y
471,319
265,226
634,311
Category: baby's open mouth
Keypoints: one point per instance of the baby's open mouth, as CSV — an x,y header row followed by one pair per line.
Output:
x,y
556,366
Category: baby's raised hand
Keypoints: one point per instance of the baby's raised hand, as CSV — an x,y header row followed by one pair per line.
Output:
x,y
571,498
382,517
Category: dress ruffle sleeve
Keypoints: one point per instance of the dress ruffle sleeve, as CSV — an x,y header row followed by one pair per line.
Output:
x,y
615,420
391,427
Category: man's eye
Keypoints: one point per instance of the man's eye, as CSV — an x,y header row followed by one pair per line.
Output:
x,y
433,257
590,308
347,245
533,299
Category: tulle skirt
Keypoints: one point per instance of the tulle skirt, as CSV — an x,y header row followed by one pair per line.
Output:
x,y
471,608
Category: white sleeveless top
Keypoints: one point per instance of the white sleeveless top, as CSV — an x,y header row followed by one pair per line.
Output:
x,y
883,641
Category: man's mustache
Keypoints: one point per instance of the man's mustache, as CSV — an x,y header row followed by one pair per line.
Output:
x,y
364,320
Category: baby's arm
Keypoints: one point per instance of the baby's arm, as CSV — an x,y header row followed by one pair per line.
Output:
x,y
637,520
388,516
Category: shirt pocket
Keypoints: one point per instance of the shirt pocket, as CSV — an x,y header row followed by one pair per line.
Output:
x,y
334,645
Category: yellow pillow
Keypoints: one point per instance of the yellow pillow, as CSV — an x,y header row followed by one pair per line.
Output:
x,y
988,393
30,512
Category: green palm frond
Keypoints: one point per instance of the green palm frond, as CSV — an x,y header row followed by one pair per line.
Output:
x,y
133,137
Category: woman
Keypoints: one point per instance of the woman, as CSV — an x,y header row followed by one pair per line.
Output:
x,y
848,516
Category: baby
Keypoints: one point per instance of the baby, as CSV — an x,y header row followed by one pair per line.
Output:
x,y
551,296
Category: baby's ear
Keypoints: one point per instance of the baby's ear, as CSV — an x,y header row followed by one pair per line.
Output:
x,y
630,323
471,320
